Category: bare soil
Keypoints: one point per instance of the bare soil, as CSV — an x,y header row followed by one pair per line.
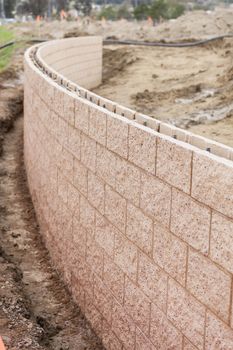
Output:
x,y
36,310
191,88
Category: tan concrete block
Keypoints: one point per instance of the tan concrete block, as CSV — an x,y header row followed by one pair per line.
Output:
x,y
162,333
105,234
66,163
73,200
128,180
123,326
62,187
87,215
218,335
88,152
209,284
213,182
142,342
221,241
142,148
188,345
186,313
96,191
169,253
58,103
80,177
174,164
114,278
68,113
94,256
81,118
152,281
137,306
98,125
126,256
139,228
155,198
190,221
93,315
74,142
117,135
109,339
106,165
102,299
115,208
79,239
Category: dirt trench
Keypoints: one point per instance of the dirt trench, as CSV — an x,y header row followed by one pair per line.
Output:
x,y
36,310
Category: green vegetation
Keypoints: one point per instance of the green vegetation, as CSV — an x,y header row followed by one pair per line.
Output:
x,y
159,9
5,54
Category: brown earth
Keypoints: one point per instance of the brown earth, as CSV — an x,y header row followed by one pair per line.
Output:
x,y
36,310
191,88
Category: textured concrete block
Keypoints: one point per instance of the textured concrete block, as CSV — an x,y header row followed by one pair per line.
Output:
x,y
126,256
109,339
221,241
187,314
73,200
155,199
104,234
106,165
174,164
142,148
74,142
87,215
94,256
88,152
123,326
93,315
96,192
98,125
213,182
69,107
58,102
79,240
128,180
114,278
80,177
115,208
190,221
218,335
169,253
152,281
102,299
209,284
139,228
162,333
81,117
117,135
142,342
188,345
137,305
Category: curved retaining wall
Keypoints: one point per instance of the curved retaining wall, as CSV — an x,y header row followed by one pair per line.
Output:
x,y
138,223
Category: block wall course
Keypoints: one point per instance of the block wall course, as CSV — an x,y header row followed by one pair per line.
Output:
x,y
139,224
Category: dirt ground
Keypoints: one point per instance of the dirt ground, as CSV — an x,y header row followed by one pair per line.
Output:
x,y
188,87
36,311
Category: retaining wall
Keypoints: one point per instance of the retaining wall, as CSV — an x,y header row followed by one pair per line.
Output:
x,y
138,223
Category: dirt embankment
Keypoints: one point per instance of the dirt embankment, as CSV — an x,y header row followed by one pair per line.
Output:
x,y
36,311
188,87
